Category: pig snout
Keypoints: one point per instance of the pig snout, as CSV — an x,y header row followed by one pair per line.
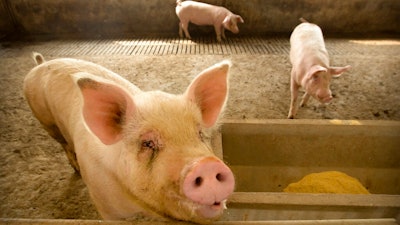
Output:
x,y
208,183
324,97
235,30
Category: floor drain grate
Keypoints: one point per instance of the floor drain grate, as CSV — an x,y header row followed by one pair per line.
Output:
x,y
158,46
178,46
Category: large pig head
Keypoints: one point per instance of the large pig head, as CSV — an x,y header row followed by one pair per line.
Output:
x,y
157,159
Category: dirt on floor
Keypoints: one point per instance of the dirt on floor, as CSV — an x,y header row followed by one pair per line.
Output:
x,y
36,180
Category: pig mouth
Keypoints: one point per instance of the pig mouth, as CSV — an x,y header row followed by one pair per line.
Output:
x,y
325,100
211,211
202,211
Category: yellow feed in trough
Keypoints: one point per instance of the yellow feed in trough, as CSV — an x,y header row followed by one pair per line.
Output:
x,y
327,182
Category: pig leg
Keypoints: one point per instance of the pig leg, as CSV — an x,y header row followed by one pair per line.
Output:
x,y
55,133
218,30
223,33
294,90
180,30
184,25
304,101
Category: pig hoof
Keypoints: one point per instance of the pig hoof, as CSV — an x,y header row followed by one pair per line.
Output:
x,y
291,117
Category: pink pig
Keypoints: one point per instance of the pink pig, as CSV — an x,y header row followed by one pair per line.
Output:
x,y
310,66
139,153
205,14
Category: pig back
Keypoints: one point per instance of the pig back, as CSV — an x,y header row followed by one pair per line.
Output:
x,y
55,98
201,13
50,87
307,42
52,96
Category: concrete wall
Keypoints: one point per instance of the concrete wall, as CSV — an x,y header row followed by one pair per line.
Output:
x,y
96,18
7,25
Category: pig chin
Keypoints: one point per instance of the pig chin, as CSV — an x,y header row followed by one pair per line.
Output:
x,y
188,210
325,100
203,214
235,31
198,213
211,211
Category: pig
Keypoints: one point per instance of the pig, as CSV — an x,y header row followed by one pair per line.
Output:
x,y
205,14
140,154
310,66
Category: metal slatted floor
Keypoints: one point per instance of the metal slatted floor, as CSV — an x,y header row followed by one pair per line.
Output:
x,y
178,46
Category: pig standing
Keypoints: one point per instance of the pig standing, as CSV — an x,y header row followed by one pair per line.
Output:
x,y
310,66
139,153
205,14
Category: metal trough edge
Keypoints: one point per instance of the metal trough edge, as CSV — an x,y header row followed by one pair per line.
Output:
x,y
384,221
392,123
276,198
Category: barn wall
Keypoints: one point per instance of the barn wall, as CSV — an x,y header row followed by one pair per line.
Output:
x,y
6,23
97,18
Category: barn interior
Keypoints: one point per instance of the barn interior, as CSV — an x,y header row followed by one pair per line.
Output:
x,y
357,133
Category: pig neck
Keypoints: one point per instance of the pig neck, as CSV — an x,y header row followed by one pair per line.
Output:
x,y
311,58
221,14
111,198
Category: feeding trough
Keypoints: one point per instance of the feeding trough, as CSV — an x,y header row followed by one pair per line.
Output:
x,y
268,155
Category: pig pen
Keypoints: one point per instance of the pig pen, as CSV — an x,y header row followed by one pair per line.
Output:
x,y
36,181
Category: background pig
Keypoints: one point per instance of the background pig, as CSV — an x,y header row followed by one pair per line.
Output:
x,y
139,153
205,14
310,66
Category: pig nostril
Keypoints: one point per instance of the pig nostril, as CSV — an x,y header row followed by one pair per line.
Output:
x,y
219,177
198,181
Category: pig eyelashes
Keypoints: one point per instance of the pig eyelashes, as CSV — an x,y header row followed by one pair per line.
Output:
x,y
201,135
149,144
315,77
148,152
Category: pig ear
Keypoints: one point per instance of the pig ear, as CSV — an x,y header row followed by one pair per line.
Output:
x,y
105,108
239,19
337,71
209,90
315,69
227,21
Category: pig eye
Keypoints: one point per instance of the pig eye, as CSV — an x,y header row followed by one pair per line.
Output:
x,y
150,141
149,144
201,135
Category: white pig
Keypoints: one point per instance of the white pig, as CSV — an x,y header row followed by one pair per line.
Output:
x,y
310,66
205,14
139,153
